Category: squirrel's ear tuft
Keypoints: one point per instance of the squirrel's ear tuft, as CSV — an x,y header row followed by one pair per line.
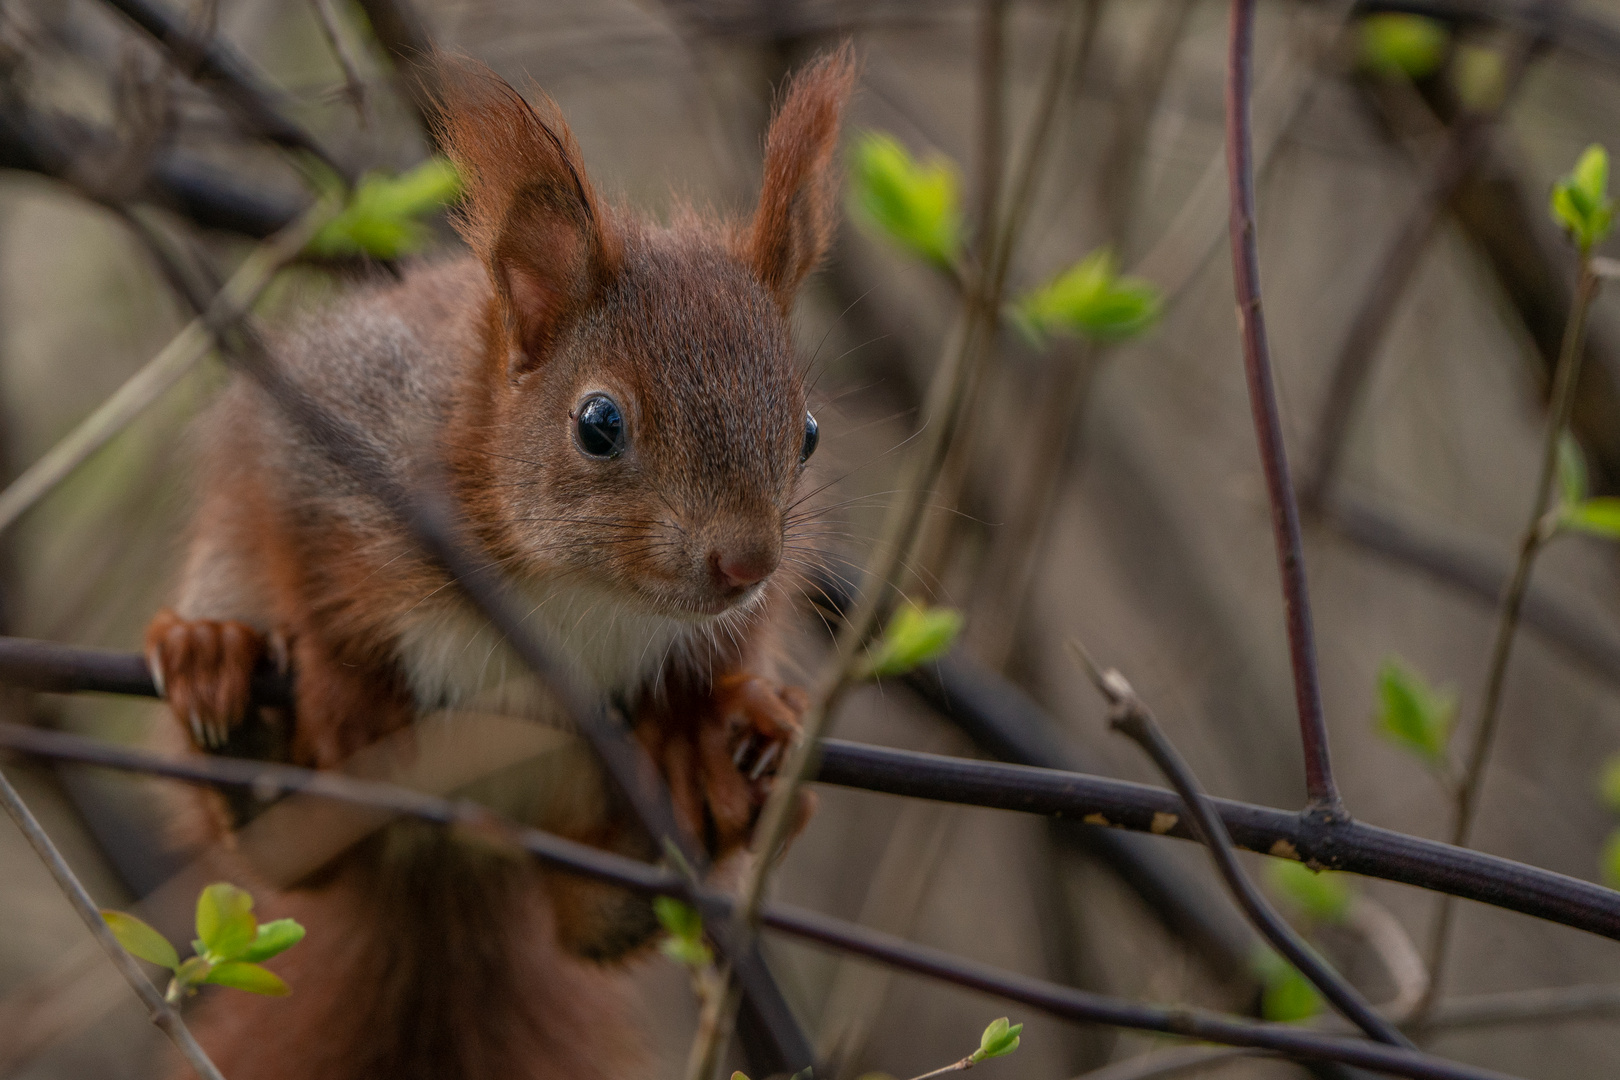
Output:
x,y
798,202
529,211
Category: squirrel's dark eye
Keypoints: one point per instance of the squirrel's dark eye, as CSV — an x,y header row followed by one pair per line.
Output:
x,y
812,435
599,427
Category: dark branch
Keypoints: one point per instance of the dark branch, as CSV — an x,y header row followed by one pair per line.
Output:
x,y
1300,1043
1131,716
1319,783
216,66
1349,845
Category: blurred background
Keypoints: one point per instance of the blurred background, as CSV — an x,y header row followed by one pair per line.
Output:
x,y
1106,486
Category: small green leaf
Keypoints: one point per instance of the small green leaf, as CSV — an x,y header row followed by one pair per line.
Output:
x,y
273,939
1092,301
241,975
1290,1000
685,944
998,1040
1323,895
1571,470
1580,201
915,204
1480,75
738,1076
1611,860
382,216
1413,714
1598,516
141,940
225,923
804,1074
1608,785
1402,46
914,636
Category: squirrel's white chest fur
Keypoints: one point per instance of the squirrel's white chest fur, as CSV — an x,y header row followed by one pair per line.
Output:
x,y
454,658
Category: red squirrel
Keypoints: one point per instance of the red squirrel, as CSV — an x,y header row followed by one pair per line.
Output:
x,y
625,426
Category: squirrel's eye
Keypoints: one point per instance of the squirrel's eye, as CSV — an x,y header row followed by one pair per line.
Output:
x,y
599,427
812,435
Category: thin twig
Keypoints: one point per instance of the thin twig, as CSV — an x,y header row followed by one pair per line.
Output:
x,y
163,1014
165,369
718,908
354,84
942,413
1131,716
1319,784
1535,536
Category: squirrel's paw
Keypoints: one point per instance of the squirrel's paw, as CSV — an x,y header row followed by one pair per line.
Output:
x,y
720,771
204,669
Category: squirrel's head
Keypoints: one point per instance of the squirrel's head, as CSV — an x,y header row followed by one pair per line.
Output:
x,y
640,419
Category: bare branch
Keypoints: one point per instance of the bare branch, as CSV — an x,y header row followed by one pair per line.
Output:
x,y
1131,716
161,1012
1319,783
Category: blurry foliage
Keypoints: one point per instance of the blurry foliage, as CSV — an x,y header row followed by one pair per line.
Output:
x,y
230,946
915,204
383,217
1089,300
1286,996
1402,46
1479,75
1580,201
1413,714
1323,895
914,636
684,927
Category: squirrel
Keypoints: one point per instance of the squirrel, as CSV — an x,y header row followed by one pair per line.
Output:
x,y
624,426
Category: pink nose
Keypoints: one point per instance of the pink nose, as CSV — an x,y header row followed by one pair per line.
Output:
x,y
742,567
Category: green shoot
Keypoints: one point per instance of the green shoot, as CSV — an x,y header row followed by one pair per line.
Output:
x,y
914,636
684,927
382,218
1580,201
998,1040
230,944
1286,996
915,204
1323,895
1414,715
1090,300
1402,46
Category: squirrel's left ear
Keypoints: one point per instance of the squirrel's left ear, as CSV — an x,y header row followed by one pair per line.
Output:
x,y
798,203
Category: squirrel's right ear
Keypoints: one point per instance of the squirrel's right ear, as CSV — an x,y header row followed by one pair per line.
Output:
x,y
529,212
798,202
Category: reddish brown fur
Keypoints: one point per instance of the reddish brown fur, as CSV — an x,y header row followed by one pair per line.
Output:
x,y
427,957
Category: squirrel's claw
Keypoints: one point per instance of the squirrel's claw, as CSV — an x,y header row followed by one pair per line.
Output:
x,y
204,669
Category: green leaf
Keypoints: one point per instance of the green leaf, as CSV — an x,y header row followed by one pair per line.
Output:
x,y
1092,301
1286,996
1402,46
241,975
685,944
1611,860
915,635
1571,470
382,216
1323,895
738,1076
915,204
141,940
1599,516
225,923
273,939
1580,201
1480,75
1608,785
1414,715
998,1040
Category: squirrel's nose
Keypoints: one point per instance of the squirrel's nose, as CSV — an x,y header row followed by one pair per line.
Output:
x,y
740,567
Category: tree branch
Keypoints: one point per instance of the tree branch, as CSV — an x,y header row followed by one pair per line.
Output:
x,y
1319,784
163,1014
